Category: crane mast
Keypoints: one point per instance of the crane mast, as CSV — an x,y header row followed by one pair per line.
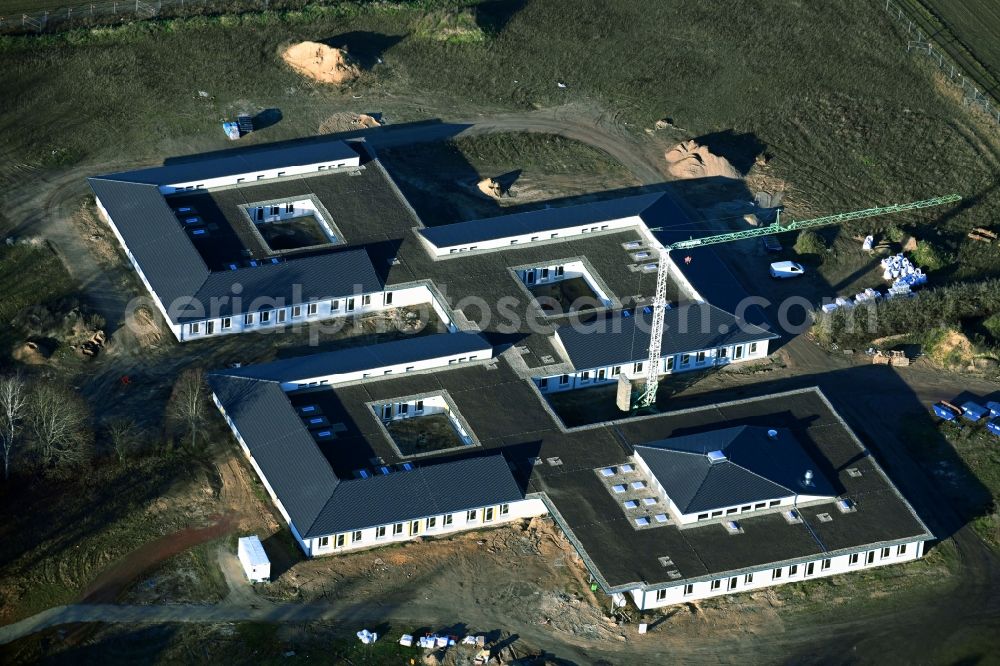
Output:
x,y
648,397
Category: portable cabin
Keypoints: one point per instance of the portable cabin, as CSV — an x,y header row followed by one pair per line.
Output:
x,y
994,426
254,560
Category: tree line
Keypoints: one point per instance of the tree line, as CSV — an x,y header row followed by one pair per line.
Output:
x,y
49,426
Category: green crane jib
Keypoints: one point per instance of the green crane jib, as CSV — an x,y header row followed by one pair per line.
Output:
x,y
648,396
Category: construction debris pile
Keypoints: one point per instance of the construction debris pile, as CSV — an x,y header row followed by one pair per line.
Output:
x,y
903,275
321,62
691,160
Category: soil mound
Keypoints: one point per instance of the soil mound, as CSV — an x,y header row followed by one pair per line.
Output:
x,y
490,188
321,62
690,160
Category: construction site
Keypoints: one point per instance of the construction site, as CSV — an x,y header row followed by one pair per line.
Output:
x,y
368,377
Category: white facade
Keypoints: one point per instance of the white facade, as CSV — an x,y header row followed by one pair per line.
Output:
x,y
767,576
387,370
291,314
534,237
428,526
696,359
255,176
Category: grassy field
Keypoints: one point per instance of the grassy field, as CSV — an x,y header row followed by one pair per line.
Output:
x,y
30,275
849,118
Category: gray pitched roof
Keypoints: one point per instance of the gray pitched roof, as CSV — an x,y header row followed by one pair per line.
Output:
x,y
159,245
755,468
243,160
546,219
425,491
175,269
406,350
317,277
281,444
687,328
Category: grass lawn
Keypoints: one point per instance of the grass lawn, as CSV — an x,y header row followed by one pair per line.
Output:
x,y
30,275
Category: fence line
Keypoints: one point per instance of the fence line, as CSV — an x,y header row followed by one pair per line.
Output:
x,y
949,61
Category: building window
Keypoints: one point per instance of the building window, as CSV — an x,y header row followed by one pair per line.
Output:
x,y
716,514
334,305
702,516
753,347
449,519
397,529
689,589
248,320
350,305
661,595
615,371
825,565
748,579
196,327
209,327
670,363
488,514
775,502
776,574
432,522
723,352
340,541
716,584
810,568
324,542
901,550
563,380
732,583
281,315
637,367
760,505
701,357
356,536
738,351
792,570
470,515
366,299
312,308
853,559
885,553
870,557
265,316
419,407
685,359
732,510
414,528
585,376
388,298
380,532
227,323
296,310
504,509
543,383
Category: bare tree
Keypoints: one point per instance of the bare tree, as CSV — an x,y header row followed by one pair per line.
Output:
x,y
59,422
124,437
188,405
13,408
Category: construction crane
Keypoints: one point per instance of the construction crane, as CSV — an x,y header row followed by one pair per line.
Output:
x,y
648,396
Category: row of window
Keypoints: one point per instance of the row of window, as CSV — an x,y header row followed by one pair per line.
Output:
x,y
777,574
739,509
514,241
417,527
281,314
685,361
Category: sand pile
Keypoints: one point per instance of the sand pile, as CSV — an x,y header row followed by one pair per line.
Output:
x,y
490,188
321,62
690,160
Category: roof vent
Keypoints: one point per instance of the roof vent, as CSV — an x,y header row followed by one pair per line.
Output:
x,y
846,506
807,478
732,527
772,434
792,517
716,457
824,517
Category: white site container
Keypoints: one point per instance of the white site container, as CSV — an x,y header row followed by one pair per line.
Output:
x,y
254,560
